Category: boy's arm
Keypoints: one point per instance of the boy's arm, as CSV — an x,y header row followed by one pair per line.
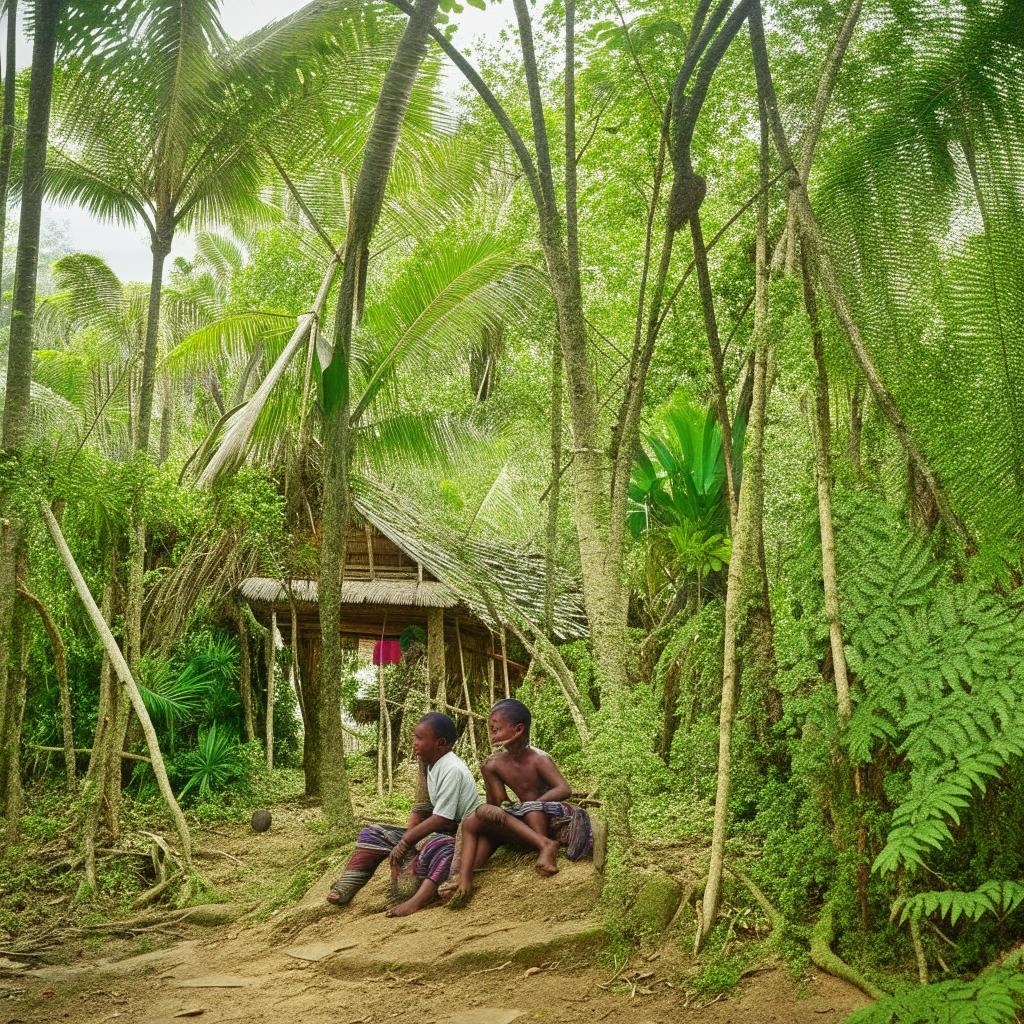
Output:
x,y
494,787
558,788
413,834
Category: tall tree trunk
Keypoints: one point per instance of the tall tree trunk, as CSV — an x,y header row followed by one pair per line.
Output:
x,y
367,201
743,563
823,473
166,419
554,491
17,398
835,290
123,671
17,407
600,546
60,669
7,122
160,248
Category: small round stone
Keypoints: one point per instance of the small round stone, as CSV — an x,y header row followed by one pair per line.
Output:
x,y
260,820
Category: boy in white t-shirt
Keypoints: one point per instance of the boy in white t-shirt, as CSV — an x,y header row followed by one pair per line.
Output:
x,y
453,796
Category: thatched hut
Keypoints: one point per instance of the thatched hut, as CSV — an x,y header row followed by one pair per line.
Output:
x,y
402,569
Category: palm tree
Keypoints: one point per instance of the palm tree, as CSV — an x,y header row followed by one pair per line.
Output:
x,y
174,136
17,400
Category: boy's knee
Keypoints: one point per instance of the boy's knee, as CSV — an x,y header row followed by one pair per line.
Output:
x,y
488,814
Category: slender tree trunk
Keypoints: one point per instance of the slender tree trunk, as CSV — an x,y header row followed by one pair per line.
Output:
x,y
836,292
60,668
554,491
367,201
123,671
17,413
436,669
823,472
743,563
7,122
600,545
17,407
166,419
707,301
161,247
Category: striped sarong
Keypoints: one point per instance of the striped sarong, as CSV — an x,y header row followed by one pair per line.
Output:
x,y
374,844
570,825
434,858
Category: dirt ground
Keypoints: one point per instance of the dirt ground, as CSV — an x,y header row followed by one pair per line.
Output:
x,y
525,949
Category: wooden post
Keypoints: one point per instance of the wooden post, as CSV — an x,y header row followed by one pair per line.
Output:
x,y
271,664
385,766
465,693
435,656
504,662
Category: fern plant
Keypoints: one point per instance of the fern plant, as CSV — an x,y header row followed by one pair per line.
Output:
x,y
990,999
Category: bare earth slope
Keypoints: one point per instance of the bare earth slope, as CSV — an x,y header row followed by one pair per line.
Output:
x,y
526,949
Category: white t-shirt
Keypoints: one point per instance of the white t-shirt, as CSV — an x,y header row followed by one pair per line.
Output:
x,y
452,788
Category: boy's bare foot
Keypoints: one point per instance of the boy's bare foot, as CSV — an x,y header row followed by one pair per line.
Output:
x,y
546,861
402,909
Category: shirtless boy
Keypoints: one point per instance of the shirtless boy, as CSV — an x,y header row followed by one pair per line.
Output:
x,y
534,779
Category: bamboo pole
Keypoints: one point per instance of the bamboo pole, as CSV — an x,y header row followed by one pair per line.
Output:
x,y
125,675
271,660
504,663
465,694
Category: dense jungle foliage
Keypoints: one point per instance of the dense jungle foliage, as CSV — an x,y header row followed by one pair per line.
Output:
x,y
713,314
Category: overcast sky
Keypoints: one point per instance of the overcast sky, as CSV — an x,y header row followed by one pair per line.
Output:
x,y
126,250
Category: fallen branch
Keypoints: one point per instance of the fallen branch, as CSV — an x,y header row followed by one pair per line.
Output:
x,y
124,674
88,750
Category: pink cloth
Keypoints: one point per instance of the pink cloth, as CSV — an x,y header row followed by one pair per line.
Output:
x,y
387,652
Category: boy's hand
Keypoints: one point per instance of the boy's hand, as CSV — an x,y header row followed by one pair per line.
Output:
x,y
398,854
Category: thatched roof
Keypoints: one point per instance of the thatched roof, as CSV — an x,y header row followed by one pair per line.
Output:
x,y
497,582
423,594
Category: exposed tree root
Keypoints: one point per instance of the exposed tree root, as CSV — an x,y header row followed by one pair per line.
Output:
x,y
823,958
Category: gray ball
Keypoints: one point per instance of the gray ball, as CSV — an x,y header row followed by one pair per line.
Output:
x,y
260,820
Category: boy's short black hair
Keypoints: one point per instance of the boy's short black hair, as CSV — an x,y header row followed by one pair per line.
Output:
x,y
514,711
441,725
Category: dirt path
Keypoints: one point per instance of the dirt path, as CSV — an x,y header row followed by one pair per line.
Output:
x,y
525,950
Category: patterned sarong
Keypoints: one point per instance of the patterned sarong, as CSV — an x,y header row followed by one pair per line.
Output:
x,y
434,858
373,846
570,825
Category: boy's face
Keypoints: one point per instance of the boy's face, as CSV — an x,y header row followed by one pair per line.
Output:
x,y
502,732
426,744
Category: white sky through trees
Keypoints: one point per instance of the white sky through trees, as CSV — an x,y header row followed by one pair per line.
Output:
x,y
127,249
